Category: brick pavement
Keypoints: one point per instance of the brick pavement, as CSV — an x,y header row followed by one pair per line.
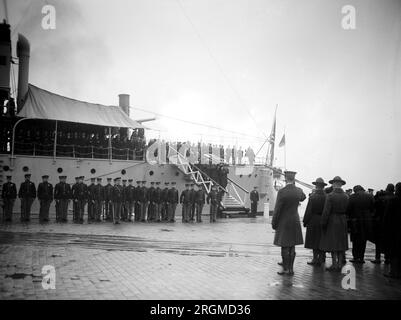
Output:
x,y
232,259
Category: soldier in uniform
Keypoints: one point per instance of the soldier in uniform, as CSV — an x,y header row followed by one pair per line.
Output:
x,y
334,237
192,192
118,197
9,194
151,201
185,200
74,200
254,197
124,204
157,196
130,199
108,197
81,195
62,194
165,203
27,194
91,201
45,196
143,200
360,212
286,222
99,199
212,199
137,203
312,222
172,202
200,199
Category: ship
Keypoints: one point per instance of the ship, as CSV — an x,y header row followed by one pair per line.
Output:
x,y
28,106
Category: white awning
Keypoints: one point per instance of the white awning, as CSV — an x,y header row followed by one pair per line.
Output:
x,y
42,104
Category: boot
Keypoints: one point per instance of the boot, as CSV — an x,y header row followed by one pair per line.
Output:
x,y
286,263
335,262
291,264
315,259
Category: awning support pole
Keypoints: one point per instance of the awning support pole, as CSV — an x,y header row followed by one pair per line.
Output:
x,y
55,143
13,141
110,147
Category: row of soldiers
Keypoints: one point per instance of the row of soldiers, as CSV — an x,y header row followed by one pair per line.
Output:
x,y
110,202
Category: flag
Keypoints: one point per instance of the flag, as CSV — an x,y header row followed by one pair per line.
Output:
x,y
282,142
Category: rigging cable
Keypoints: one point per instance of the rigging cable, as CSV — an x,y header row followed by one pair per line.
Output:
x,y
217,64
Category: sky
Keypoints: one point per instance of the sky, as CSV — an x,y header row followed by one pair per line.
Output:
x,y
228,64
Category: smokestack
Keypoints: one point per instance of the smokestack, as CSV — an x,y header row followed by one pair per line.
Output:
x,y
5,62
123,102
23,51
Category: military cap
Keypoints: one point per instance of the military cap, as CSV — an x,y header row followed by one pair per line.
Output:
x,y
319,181
152,182
28,175
45,176
8,177
337,179
358,188
77,178
167,183
130,180
290,174
93,179
124,180
118,178
99,179
191,184
138,181
109,179
143,181
370,189
173,182
157,182
62,177
82,177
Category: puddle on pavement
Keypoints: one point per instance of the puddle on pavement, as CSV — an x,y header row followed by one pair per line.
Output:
x,y
21,275
166,230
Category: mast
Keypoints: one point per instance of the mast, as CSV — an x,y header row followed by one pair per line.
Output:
x,y
272,138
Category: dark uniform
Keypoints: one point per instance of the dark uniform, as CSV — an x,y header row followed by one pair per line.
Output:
x,y
74,200
91,201
193,204
185,200
124,204
360,213
108,199
334,237
81,197
45,196
157,198
27,194
62,194
9,194
143,201
137,208
130,199
200,199
312,222
99,199
172,202
117,198
150,200
254,197
286,222
213,200
165,203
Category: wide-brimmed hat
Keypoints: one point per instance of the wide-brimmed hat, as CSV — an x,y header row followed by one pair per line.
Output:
x,y
337,179
319,181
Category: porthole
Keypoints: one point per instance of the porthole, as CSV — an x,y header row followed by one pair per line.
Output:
x,y
256,175
123,172
59,170
240,175
25,169
177,173
249,175
93,171
151,173
6,168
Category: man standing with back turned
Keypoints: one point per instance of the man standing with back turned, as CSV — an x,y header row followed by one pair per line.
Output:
x,y
286,222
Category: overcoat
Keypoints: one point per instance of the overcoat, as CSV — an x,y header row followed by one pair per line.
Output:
x,y
312,219
393,226
286,220
334,222
360,212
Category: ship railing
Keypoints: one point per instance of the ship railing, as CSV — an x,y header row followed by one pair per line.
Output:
x,y
77,151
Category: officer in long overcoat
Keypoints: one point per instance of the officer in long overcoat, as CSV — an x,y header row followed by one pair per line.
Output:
x,y
312,221
334,224
286,222
62,194
9,194
27,194
45,196
254,197
360,212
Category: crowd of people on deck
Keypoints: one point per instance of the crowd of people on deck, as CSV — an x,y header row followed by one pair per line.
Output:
x,y
331,214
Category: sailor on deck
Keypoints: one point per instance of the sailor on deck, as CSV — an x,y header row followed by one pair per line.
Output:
x,y
173,201
45,196
9,194
108,199
254,197
27,194
62,194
